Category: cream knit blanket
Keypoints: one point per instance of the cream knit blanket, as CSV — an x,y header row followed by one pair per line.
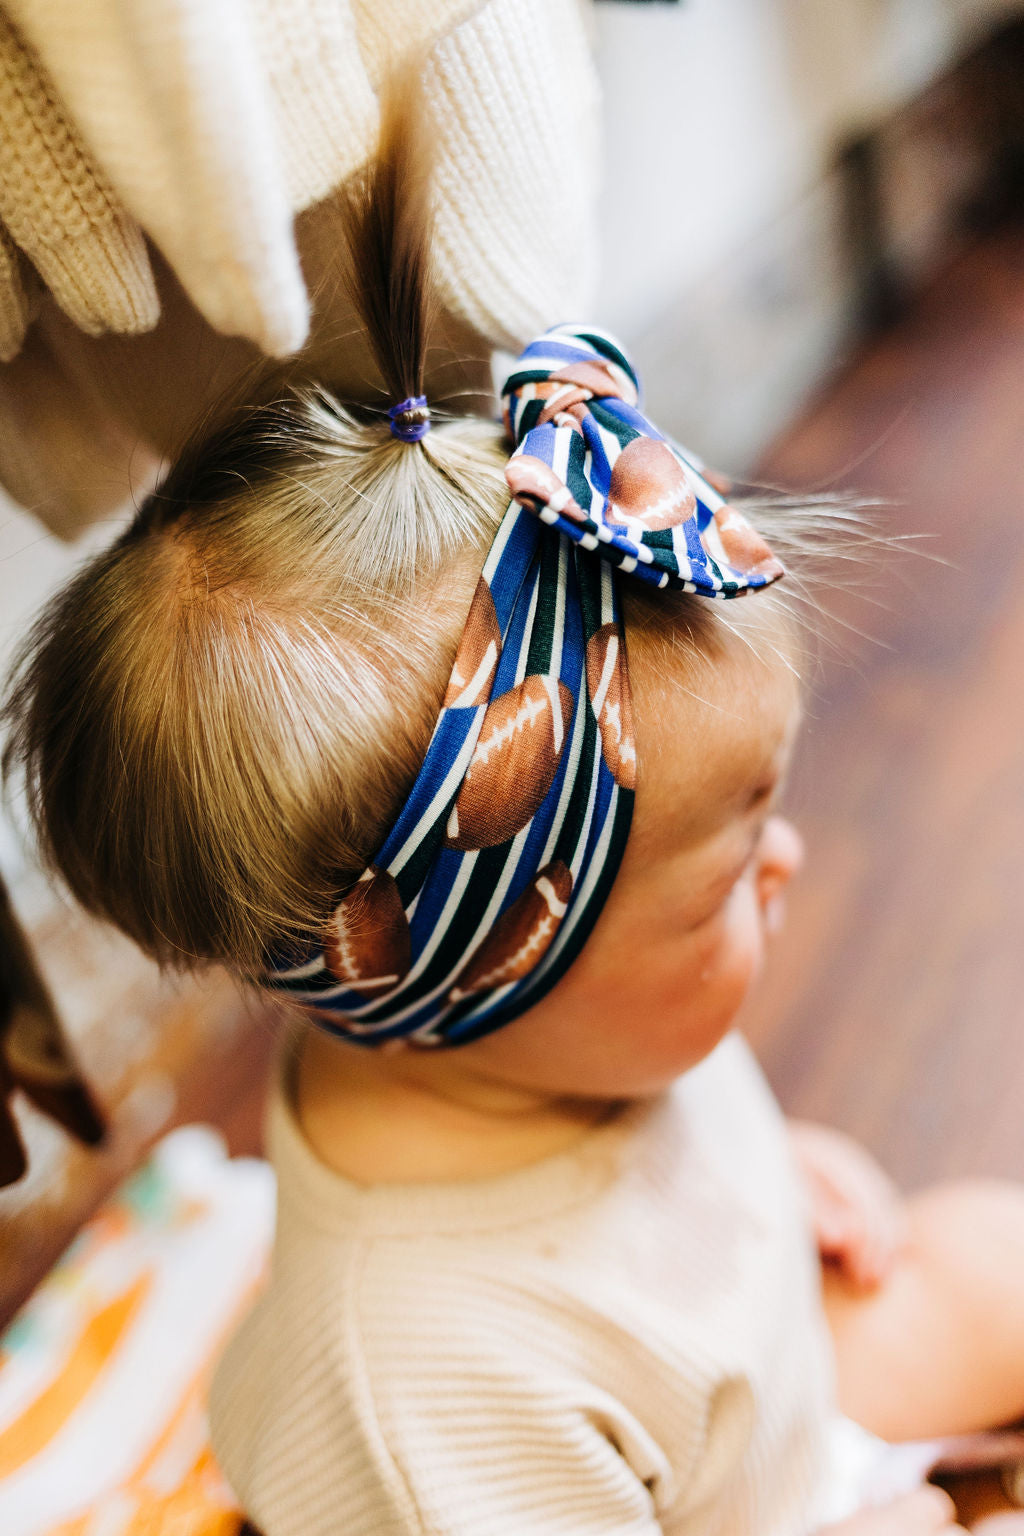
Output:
x,y
206,125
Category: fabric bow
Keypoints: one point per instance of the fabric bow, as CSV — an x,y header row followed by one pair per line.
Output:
x,y
591,465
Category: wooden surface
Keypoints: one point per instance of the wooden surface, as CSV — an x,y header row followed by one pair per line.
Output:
x,y
157,1052
894,1003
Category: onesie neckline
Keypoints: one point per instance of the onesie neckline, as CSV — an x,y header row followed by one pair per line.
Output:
x,y
524,1195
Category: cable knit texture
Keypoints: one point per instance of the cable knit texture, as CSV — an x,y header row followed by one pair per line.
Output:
x,y
626,1338
13,300
208,124
60,208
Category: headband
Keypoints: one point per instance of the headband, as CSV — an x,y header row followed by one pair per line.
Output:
x,y
492,877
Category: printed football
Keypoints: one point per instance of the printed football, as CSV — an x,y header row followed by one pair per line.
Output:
x,y
598,377
608,687
535,486
514,763
367,945
476,660
521,937
745,549
649,487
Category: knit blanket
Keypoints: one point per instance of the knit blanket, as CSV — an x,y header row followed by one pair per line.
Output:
x,y
103,1373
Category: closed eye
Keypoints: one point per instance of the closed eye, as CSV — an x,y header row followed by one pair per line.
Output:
x,y
763,795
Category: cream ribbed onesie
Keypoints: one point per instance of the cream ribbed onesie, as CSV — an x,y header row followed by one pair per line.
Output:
x,y
625,1338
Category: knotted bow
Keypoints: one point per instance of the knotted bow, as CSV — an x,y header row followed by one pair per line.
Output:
x,y
589,464
502,857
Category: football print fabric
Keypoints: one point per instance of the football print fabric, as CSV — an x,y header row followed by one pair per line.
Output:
x,y
501,859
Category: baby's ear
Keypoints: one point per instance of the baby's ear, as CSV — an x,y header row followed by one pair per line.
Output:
x,y
780,854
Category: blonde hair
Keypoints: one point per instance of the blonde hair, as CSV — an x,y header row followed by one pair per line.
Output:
x,y
219,717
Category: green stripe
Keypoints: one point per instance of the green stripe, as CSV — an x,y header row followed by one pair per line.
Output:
x,y
542,635
413,873
588,576
575,479
613,424
571,831
531,415
516,381
482,883
604,346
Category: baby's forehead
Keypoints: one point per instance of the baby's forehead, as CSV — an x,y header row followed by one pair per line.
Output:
x,y
712,732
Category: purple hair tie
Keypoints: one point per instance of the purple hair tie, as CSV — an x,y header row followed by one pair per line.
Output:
x,y
410,419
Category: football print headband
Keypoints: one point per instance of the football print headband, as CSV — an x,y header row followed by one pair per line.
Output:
x,y
501,859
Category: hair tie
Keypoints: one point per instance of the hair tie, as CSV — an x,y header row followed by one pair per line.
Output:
x,y
410,419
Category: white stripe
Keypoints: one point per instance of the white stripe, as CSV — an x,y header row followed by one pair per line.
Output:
x,y
559,626
451,781
611,656
571,769
607,594
597,864
501,538
588,541
557,723
610,443
560,457
581,845
298,972
524,649
482,929
476,680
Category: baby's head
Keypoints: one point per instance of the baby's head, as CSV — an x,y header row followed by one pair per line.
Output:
x,y
222,716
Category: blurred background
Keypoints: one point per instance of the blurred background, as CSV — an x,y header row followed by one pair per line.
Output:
x,y
811,233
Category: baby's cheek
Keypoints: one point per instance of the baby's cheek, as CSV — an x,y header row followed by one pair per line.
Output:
x,y
733,951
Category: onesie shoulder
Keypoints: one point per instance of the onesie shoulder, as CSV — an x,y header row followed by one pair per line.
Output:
x,y
480,1385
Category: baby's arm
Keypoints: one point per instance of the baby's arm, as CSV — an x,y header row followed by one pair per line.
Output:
x,y
857,1213
925,1512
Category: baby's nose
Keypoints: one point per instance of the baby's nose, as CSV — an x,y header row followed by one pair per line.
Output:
x,y
779,856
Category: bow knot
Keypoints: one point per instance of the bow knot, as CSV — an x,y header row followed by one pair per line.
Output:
x,y
590,464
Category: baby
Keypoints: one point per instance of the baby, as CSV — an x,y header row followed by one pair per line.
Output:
x,y
548,1258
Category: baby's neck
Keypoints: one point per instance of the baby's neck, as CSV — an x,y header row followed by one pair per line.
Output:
x,y
422,1118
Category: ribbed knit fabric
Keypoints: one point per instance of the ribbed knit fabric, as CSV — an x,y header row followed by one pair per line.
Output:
x,y
13,300
61,210
625,1338
209,123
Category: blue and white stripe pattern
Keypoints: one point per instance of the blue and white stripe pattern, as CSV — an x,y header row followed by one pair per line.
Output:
x,y
502,857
